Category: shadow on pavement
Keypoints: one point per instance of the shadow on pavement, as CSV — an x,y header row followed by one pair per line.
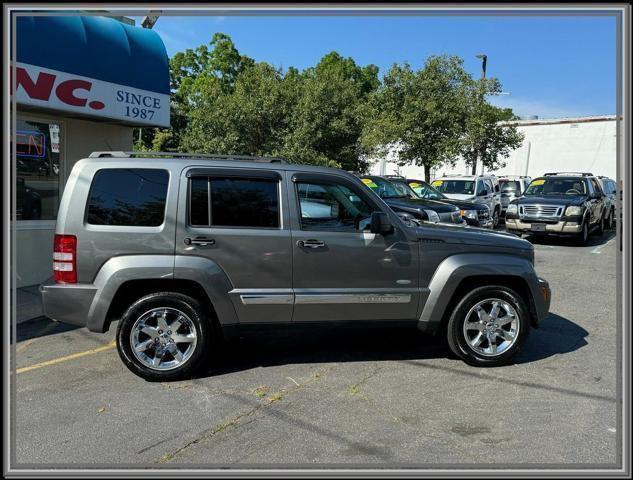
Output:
x,y
301,344
40,327
593,240
555,336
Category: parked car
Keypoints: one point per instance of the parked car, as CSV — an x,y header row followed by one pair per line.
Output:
x,y
563,204
475,214
610,189
403,199
512,186
185,251
480,188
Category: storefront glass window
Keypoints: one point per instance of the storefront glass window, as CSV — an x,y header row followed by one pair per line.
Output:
x,y
37,164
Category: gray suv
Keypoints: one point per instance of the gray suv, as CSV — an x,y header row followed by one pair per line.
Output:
x,y
183,250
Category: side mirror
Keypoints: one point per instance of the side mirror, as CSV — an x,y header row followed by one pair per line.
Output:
x,y
380,223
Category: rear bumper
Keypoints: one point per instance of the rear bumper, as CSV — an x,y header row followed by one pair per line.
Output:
x,y
68,303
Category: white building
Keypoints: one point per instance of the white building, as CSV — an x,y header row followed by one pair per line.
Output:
x,y
585,144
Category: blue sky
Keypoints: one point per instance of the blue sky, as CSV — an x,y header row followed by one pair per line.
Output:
x,y
556,66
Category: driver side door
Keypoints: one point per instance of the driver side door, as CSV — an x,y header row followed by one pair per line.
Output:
x,y
341,271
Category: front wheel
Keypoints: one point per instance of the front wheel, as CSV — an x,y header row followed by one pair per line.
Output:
x,y
488,326
163,336
495,219
601,226
610,220
584,234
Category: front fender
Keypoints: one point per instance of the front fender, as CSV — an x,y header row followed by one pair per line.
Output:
x,y
456,268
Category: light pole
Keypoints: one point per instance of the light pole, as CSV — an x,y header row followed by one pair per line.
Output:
x,y
484,61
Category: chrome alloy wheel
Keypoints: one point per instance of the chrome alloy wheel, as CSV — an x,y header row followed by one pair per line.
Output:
x,y
163,338
491,327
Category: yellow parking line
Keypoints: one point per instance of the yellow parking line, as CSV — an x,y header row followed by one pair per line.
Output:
x,y
55,361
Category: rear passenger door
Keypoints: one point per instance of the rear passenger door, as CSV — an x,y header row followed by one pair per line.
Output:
x,y
235,218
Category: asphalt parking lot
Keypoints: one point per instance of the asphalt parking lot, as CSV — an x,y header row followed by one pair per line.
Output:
x,y
337,397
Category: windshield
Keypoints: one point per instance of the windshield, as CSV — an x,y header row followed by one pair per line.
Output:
x,y
463,187
424,190
509,186
403,188
557,186
383,188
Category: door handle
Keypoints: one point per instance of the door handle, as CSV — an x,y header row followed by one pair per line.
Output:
x,y
202,242
310,243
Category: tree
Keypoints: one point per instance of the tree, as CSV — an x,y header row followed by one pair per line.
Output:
x,y
485,139
326,125
249,120
421,112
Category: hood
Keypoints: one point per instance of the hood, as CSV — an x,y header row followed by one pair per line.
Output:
x,y
409,203
474,236
466,204
562,199
460,196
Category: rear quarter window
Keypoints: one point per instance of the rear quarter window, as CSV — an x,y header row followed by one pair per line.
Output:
x,y
128,197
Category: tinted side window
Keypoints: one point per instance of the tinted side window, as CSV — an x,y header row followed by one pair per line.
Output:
x,y
128,197
331,207
234,202
481,188
596,186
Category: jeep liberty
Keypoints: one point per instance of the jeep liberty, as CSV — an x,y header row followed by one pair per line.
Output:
x,y
183,249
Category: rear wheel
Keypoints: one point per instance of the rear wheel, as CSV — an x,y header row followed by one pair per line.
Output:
x,y
163,336
488,326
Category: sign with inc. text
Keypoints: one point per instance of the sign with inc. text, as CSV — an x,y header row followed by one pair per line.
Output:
x,y
46,88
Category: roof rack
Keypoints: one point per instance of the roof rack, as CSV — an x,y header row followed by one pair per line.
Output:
x,y
393,176
582,174
243,158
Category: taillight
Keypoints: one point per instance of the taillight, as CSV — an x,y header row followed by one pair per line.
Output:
x,y
65,259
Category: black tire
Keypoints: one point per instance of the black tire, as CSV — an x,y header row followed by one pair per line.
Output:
x,y
600,229
455,329
611,221
582,237
192,308
495,218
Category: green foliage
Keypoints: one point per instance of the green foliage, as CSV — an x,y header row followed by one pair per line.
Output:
x,y
326,124
422,113
336,113
485,140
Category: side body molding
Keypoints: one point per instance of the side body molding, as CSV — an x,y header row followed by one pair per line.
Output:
x,y
458,267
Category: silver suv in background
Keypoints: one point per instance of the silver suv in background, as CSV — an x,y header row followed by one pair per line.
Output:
x,y
610,189
512,186
184,250
475,188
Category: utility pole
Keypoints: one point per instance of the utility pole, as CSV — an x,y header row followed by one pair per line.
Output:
x,y
484,61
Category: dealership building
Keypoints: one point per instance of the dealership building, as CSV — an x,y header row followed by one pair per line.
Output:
x,y
82,84
582,144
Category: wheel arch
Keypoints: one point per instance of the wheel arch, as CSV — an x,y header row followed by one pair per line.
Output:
x,y
461,273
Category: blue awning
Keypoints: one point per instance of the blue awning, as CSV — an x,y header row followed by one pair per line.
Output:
x,y
96,47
